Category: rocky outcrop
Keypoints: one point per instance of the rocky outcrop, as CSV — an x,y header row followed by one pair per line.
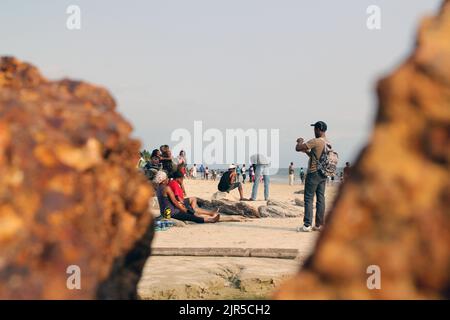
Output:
x,y
229,207
280,209
393,212
69,191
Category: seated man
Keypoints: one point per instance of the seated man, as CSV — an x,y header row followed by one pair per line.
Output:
x,y
168,203
176,185
228,182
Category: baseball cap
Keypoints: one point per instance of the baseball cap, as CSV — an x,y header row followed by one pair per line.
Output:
x,y
232,166
322,126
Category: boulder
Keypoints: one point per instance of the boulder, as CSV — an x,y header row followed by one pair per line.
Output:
x,y
280,209
388,235
229,207
70,196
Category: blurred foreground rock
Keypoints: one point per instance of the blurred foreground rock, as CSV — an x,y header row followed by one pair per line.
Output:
x,y
69,191
394,212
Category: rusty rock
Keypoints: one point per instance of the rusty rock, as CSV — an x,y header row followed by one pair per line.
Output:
x,y
69,190
394,210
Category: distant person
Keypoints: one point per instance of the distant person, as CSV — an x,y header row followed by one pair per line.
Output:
x,y
347,169
202,171
206,173
261,171
182,162
291,174
214,175
244,173
315,182
251,173
228,182
238,173
194,171
302,176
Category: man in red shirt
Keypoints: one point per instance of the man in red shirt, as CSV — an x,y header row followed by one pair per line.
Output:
x,y
190,203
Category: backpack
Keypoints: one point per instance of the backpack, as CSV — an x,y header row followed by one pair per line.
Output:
x,y
327,163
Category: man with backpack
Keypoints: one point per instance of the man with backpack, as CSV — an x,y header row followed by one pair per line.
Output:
x,y
322,164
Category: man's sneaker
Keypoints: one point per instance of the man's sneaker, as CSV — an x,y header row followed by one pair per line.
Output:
x,y
304,229
319,228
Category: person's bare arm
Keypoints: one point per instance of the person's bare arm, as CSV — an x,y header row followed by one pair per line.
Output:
x,y
233,177
174,200
301,146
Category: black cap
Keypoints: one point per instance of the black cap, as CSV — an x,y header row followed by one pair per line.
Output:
x,y
322,126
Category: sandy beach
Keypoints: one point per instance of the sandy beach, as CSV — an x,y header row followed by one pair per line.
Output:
x,y
195,277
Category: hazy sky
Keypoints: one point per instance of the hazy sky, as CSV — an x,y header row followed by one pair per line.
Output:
x,y
232,64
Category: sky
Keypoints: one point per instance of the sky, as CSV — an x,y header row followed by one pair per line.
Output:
x,y
250,64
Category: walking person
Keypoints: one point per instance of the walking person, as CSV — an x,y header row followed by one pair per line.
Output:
x,y
202,171
315,181
251,173
261,171
302,176
238,173
194,171
244,173
291,174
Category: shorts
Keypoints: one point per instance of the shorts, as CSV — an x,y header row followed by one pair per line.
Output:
x,y
233,186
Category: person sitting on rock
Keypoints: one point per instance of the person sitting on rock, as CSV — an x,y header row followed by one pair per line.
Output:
x,y
187,205
169,205
228,182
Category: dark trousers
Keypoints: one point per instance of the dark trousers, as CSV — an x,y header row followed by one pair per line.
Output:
x,y
314,184
187,217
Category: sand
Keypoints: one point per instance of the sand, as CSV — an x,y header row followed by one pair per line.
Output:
x,y
188,277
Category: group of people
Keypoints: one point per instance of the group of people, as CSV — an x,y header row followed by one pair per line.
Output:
x,y
167,175
341,176
291,171
242,173
259,172
204,172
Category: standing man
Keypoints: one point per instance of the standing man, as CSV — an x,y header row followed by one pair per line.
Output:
x,y
291,174
194,171
315,182
261,169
